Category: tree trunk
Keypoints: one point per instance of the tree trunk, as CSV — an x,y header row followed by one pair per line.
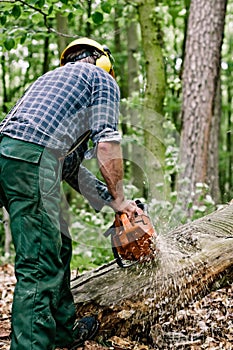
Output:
x,y
88,23
154,98
62,27
4,84
190,261
46,61
213,159
137,159
226,141
201,71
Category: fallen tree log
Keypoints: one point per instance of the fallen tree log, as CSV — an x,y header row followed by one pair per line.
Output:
x,y
192,260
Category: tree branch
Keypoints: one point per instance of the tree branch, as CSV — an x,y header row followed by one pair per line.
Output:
x,y
44,14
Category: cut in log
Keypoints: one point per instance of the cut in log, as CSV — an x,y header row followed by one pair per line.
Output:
x,y
192,259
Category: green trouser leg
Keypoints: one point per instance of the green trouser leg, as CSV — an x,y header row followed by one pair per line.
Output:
x,y
65,306
30,185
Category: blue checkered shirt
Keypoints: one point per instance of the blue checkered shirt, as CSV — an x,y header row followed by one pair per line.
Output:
x,y
58,108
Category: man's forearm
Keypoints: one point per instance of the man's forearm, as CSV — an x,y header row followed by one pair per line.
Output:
x,y
109,156
111,166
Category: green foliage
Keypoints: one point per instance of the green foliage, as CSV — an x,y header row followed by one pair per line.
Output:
x,y
16,11
106,6
226,137
38,16
25,26
97,17
9,43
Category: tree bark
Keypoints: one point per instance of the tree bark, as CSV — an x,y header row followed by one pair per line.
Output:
x,y
154,98
213,161
200,75
226,140
190,261
62,27
4,84
137,158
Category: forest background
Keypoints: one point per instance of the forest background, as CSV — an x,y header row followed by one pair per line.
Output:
x,y
173,63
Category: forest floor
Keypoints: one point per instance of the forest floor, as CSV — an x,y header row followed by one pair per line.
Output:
x,y
209,321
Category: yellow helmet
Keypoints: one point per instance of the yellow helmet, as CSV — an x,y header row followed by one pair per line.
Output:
x,y
105,61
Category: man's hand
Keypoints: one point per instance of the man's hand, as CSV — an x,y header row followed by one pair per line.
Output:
x,y
128,207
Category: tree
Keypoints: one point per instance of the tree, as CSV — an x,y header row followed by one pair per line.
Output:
x,y
33,35
192,260
200,82
62,27
153,98
132,112
226,137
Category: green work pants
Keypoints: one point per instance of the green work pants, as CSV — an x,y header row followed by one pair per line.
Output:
x,y
43,311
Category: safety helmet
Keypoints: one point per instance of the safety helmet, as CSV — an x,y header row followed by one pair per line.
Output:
x,y
104,61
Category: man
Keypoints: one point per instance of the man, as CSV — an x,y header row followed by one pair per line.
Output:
x,y
44,138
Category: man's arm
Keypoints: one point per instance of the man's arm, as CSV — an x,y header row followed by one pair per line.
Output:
x,y
84,182
110,161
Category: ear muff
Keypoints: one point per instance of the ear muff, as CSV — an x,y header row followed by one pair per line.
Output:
x,y
104,63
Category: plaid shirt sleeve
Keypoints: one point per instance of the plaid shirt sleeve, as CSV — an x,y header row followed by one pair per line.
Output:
x,y
104,111
84,182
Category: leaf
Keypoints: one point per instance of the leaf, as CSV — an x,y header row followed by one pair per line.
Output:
x,y
36,17
9,44
16,11
77,6
97,17
40,3
106,7
50,10
70,16
23,38
3,20
64,2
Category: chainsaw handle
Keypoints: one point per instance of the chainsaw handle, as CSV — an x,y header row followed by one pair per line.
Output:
x,y
125,222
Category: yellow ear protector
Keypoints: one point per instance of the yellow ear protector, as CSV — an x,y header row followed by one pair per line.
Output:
x,y
104,63
104,58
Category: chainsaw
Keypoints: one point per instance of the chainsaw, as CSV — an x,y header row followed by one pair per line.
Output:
x,y
132,241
